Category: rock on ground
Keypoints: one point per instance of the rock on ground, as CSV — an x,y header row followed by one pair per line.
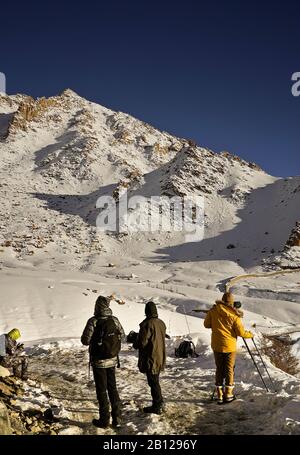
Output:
x,y
5,428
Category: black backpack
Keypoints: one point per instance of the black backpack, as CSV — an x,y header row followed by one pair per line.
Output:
x,y
132,337
186,349
106,340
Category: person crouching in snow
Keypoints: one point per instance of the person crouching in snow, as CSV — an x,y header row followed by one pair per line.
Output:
x,y
103,334
12,354
225,322
152,354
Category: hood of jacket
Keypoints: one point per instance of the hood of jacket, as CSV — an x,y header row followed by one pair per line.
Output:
x,y
227,309
151,310
102,310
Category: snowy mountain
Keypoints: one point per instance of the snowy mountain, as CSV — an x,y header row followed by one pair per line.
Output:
x,y
58,156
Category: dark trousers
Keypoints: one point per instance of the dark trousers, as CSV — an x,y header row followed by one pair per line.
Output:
x,y
105,381
153,381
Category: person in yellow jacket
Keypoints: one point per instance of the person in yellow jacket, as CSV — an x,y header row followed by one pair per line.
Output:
x,y
225,322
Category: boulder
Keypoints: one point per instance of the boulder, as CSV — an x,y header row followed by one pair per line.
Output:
x,y
4,372
5,428
294,239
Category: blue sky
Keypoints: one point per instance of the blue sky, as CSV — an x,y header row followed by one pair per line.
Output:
x,y
217,72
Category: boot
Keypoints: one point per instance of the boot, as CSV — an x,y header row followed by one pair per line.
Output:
x,y
220,396
103,421
100,423
229,395
154,409
116,418
116,422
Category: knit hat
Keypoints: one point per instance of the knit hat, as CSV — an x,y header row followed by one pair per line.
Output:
x,y
14,334
228,298
151,310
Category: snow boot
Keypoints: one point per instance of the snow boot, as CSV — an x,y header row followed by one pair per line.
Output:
x,y
229,395
220,395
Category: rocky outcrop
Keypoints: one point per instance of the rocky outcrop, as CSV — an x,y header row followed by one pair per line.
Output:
x,y
199,171
294,239
17,421
29,110
133,179
5,428
289,257
4,372
232,157
33,110
6,100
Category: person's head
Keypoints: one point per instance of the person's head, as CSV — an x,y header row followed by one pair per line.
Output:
x,y
151,310
228,298
14,334
102,306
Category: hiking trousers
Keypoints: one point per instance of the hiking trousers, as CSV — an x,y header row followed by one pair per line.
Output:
x,y
225,362
153,382
106,390
17,365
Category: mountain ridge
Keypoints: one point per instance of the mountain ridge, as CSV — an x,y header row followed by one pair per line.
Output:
x,y
60,154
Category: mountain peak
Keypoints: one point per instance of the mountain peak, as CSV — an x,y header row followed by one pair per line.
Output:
x,y
69,93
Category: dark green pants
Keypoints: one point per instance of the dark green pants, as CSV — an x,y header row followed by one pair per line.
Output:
x,y
225,362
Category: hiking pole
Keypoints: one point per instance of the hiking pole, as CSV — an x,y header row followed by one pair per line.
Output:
x,y
186,320
212,395
264,364
250,353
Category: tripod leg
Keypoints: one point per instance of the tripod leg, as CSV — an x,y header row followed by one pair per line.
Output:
x,y
250,353
262,360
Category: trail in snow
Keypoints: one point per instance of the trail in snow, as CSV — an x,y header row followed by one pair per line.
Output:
x,y
60,374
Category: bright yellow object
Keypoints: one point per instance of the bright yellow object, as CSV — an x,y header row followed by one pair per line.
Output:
x,y
14,334
219,390
226,326
228,395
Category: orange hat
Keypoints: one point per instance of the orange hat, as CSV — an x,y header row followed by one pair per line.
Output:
x,y
228,298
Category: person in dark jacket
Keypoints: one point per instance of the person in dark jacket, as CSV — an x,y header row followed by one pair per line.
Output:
x,y
152,354
12,354
104,369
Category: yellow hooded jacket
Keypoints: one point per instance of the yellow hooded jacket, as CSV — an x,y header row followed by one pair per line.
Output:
x,y
226,325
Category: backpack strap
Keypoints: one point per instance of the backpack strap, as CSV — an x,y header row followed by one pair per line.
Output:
x,y
194,350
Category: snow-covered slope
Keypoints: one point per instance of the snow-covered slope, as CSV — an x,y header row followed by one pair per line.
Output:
x,y
58,155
